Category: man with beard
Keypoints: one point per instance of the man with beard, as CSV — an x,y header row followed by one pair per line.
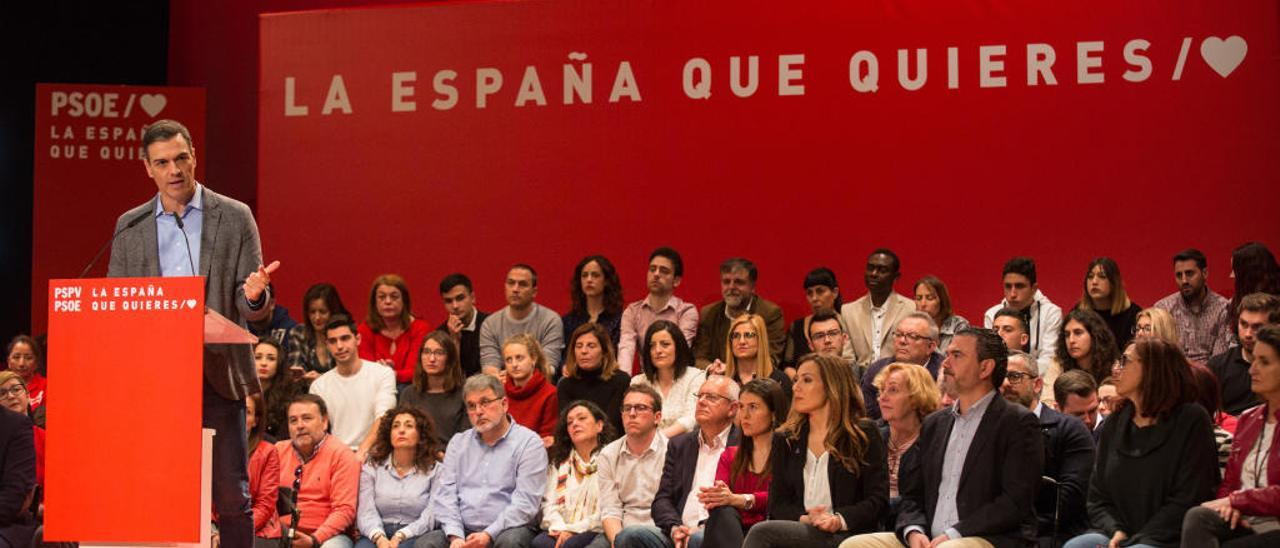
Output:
x,y
1203,317
872,317
324,474
1068,448
738,286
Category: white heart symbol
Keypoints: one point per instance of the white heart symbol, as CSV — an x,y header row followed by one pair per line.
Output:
x,y
1223,56
191,303
153,104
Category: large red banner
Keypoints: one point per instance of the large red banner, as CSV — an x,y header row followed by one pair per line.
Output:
x,y
468,136
89,170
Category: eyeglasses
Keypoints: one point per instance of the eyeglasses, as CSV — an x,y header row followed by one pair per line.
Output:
x,y
638,409
823,335
439,352
1143,329
482,404
713,398
748,335
13,391
1121,364
1016,377
913,337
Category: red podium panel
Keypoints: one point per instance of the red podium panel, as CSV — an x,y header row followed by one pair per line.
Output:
x,y
123,448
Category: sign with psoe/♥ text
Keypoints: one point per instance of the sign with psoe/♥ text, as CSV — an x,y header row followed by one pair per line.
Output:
x,y
124,439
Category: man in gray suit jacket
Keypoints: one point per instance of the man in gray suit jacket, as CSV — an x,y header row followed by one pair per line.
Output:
x,y
156,239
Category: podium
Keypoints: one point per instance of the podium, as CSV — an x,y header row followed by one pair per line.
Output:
x,y
127,460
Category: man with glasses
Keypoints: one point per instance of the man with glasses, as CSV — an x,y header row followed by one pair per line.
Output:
x,y
491,482
324,474
915,340
689,469
631,467
826,334
1068,457
872,317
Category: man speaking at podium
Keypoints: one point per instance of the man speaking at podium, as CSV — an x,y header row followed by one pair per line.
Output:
x,y
189,230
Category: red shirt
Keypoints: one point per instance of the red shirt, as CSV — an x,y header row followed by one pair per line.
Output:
x,y
330,487
375,347
35,389
264,480
747,483
534,406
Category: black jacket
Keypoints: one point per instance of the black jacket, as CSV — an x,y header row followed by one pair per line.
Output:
x,y
1068,460
677,477
997,489
469,345
860,499
17,477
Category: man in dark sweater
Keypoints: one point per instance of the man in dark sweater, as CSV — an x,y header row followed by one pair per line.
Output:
x,y
464,320
1256,311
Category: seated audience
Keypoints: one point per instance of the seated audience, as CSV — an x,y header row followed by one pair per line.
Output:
x,y
908,394
823,293
873,316
1247,505
995,446
666,270
1202,316
1156,322
1208,395
391,333
23,356
739,498
397,480
1255,270
738,288
1104,293
275,326
571,505
14,397
1085,343
933,298
595,294
1076,395
463,321
490,485
915,341
264,475
749,357
1232,367
521,315
1156,457
1108,400
324,475
17,478
355,391
827,334
1008,323
530,394
690,466
308,354
668,368
829,475
631,466
1042,318
591,373
437,387
278,389
1068,455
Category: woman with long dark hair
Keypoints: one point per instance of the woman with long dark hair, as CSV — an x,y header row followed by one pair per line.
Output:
x,y
308,353
1084,342
278,389
264,472
669,369
829,476
1255,271
571,505
933,298
740,496
596,296
1104,293
437,386
397,479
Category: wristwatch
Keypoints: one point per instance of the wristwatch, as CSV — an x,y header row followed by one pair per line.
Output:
x,y
751,501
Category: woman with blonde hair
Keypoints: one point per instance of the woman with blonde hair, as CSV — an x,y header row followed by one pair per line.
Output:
x,y
830,480
1157,322
749,356
908,394
531,397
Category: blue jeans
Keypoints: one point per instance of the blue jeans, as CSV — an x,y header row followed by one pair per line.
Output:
x,y
578,540
230,469
648,536
1094,540
515,537
388,529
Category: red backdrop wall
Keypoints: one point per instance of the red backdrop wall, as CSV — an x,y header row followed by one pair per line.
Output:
x,y
956,180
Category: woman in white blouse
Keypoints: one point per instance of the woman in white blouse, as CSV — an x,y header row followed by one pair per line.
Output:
x,y
830,479
571,505
669,368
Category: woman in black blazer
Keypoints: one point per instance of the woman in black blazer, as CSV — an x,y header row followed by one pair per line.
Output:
x,y
830,478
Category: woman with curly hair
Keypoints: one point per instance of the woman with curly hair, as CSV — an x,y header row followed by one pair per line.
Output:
x,y
596,294
830,480
571,505
1084,342
278,388
397,479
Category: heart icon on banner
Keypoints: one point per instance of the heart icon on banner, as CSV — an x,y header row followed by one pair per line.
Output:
x,y
153,104
1223,56
191,303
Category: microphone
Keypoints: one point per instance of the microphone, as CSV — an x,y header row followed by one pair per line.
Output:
x,y
132,223
181,227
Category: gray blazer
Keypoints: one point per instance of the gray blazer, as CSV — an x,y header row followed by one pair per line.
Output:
x,y
229,252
